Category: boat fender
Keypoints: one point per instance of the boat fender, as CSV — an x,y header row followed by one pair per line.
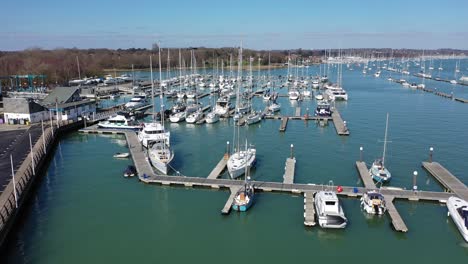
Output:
x,y
339,188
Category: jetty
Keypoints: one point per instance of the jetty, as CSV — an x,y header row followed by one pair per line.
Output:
x,y
284,124
288,177
365,175
219,168
397,221
447,179
340,125
309,209
227,207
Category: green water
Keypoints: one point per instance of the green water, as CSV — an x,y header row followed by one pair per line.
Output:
x,y
84,211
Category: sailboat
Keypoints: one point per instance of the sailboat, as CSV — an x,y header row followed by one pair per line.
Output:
x,y
378,171
159,152
240,159
244,198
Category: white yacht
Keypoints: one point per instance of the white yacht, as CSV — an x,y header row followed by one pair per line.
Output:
x,y
211,118
160,155
458,210
329,211
274,107
336,93
119,122
177,117
223,105
153,132
373,202
293,95
238,161
137,102
194,117
253,118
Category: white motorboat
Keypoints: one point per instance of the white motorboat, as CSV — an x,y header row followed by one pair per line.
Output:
x,y
453,81
177,117
373,202
194,117
458,210
319,97
238,161
160,156
329,211
119,155
336,93
274,107
119,122
253,118
293,95
153,132
211,118
223,105
307,93
136,102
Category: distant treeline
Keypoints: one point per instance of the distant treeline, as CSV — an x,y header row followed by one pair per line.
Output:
x,y
61,65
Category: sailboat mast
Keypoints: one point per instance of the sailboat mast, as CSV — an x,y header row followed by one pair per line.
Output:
x,y
239,83
152,85
385,143
161,92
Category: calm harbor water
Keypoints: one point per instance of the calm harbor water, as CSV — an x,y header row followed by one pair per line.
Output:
x,y
84,211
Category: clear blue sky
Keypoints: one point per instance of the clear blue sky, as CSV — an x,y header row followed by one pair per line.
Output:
x,y
260,24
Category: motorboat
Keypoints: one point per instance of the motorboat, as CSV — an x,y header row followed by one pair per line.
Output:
x,y
293,95
413,85
178,107
160,156
319,97
194,117
223,105
458,210
307,93
323,109
211,118
130,171
378,171
244,198
373,202
119,155
153,132
274,107
336,93
136,102
329,211
177,117
119,122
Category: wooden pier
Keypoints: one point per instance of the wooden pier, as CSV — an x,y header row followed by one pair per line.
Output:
x,y
365,175
219,168
447,179
284,124
290,167
340,125
309,209
227,207
397,221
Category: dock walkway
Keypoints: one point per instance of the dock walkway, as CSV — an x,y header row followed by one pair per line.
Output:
x,y
284,124
365,175
309,209
288,177
227,207
219,168
397,221
340,126
447,179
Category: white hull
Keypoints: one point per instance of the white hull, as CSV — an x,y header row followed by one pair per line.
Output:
x,y
239,160
454,205
175,118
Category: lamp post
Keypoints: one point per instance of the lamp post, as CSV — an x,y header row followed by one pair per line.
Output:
x,y
360,153
431,150
415,175
292,151
227,149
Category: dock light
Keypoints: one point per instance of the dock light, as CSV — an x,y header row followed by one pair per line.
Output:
x,y
292,151
415,187
431,150
360,153
227,148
